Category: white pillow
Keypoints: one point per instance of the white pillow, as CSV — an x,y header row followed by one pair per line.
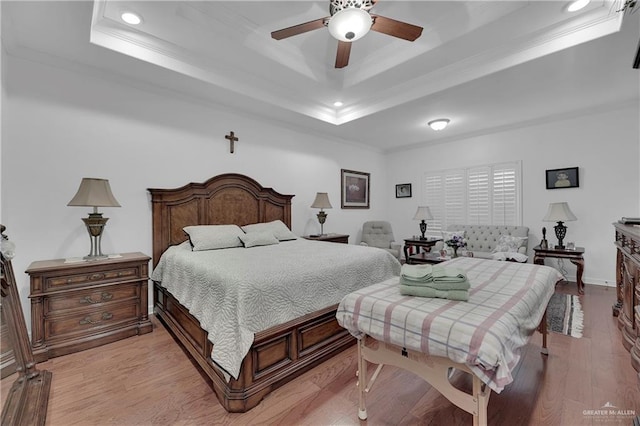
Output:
x,y
276,227
211,237
508,244
262,238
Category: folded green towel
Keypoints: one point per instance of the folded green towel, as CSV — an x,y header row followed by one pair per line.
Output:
x,y
448,274
417,272
462,295
437,285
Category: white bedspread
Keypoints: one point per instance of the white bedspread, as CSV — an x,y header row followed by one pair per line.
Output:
x,y
237,292
507,301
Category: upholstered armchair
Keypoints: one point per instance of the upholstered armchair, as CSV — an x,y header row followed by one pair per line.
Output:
x,y
379,234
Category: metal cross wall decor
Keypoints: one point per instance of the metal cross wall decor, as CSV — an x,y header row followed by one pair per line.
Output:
x,y
232,138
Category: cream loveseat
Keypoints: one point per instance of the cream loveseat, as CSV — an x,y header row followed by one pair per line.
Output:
x,y
485,241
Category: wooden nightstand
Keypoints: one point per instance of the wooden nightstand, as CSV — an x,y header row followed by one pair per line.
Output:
x,y
334,238
77,306
575,256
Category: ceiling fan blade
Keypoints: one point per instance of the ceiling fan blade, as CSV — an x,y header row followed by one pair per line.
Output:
x,y
298,29
342,57
395,28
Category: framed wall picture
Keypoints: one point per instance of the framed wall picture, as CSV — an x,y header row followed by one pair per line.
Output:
x,y
562,178
354,189
403,190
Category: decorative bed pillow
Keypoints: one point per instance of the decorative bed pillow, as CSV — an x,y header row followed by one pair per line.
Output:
x,y
211,237
508,244
259,238
276,227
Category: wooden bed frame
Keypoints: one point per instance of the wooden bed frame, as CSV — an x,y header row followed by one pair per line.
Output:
x,y
278,354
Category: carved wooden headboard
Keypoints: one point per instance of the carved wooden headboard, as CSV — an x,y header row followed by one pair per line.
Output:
x,y
222,200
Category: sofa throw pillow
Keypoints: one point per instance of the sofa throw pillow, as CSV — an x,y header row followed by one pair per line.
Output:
x,y
212,237
260,238
508,244
276,227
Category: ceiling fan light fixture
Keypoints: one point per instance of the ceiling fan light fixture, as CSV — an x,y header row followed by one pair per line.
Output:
x,y
350,24
439,124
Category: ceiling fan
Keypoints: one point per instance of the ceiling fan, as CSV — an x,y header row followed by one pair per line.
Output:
x,y
349,21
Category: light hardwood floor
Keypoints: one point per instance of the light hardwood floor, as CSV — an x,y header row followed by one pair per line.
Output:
x,y
149,380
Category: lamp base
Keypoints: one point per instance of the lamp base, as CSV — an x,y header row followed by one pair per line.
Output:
x,y
322,218
423,229
95,224
90,257
561,231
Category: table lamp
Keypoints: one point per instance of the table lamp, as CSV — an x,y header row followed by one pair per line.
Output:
x,y
321,202
559,212
94,193
423,213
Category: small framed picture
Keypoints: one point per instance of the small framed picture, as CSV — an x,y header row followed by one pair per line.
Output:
x,y
355,189
562,178
403,190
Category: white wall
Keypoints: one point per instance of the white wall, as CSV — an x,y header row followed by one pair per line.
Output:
x,y
604,145
60,126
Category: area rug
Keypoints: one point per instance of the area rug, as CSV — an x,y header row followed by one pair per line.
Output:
x,y
564,315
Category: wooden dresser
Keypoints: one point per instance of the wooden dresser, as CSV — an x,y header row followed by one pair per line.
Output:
x,y
628,288
77,306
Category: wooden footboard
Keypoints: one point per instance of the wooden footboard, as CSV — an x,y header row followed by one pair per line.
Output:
x,y
278,354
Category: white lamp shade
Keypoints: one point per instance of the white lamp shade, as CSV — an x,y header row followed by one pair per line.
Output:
x,y
423,213
94,192
559,212
321,201
350,24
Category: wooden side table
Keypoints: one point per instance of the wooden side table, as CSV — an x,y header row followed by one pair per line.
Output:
x,y
575,256
77,306
426,257
333,238
417,243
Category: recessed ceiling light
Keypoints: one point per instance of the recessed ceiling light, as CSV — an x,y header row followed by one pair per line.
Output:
x,y
439,124
576,5
131,18
337,104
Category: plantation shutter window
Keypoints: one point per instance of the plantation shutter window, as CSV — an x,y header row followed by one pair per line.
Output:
x,y
482,195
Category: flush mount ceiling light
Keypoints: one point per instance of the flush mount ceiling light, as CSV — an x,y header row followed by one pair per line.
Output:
x,y
131,18
439,124
350,24
337,104
576,5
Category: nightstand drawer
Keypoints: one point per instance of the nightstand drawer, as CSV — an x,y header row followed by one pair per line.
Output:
x,y
86,298
90,321
92,278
